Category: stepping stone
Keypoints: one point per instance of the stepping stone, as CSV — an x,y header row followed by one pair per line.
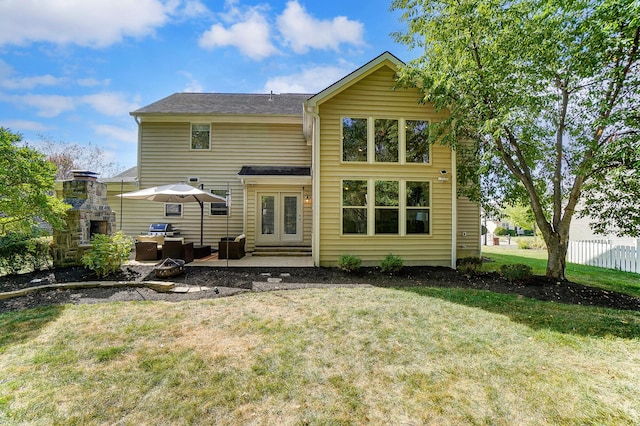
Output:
x,y
274,280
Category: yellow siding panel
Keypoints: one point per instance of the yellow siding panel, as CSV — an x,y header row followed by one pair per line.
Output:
x,y
468,239
374,97
166,158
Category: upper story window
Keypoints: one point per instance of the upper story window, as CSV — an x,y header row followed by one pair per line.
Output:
x,y
201,136
385,140
354,139
417,141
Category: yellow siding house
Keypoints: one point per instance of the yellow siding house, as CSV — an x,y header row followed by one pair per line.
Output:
x,y
344,171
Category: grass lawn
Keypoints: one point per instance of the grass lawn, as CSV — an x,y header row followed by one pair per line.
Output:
x,y
323,356
608,279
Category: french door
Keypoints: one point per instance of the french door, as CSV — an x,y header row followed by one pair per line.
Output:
x,y
279,217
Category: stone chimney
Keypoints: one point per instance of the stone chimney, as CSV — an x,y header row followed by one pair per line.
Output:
x,y
89,214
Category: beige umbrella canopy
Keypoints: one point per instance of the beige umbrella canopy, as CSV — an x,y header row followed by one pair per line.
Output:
x,y
177,193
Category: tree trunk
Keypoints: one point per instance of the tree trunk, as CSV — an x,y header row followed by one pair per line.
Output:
x,y
557,253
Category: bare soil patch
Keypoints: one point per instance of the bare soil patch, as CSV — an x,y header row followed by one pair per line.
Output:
x,y
230,281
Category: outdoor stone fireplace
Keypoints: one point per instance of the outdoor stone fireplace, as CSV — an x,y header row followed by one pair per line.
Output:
x,y
89,214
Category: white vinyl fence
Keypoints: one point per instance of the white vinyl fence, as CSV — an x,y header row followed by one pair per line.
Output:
x,y
605,254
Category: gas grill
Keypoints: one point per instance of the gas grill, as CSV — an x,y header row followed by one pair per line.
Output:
x,y
164,229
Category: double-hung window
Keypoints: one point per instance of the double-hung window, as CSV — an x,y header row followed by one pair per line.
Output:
x,y
354,207
418,208
173,210
200,136
387,210
220,208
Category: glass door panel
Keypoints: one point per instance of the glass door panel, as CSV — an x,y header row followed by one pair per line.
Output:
x,y
290,214
267,221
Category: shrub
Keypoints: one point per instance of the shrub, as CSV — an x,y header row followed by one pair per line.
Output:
x,y
516,272
523,243
500,231
391,264
23,250
107,253
470,265
349,263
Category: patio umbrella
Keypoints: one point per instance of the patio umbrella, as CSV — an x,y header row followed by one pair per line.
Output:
x,y
177,193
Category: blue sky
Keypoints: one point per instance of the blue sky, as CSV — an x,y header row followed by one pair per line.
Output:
x,y
72,70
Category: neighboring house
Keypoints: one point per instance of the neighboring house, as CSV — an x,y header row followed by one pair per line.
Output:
x,y
344,171
580,230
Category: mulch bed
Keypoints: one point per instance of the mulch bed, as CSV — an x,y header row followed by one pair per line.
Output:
x,y
230,281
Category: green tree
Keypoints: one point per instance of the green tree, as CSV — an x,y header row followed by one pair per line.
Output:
x,y
520,215
26,183
546,91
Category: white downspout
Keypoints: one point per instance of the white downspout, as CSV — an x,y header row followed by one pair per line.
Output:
x,y
454,209
315,186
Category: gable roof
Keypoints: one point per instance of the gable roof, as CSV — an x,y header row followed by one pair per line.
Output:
x,y
226,103
385,59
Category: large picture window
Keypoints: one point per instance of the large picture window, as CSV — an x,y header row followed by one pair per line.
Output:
x,y
386,140
354,207
387,202
396,207
200,136
418,207
354,139
417,141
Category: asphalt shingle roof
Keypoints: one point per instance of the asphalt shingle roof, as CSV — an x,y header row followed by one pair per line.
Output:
x,y
227,103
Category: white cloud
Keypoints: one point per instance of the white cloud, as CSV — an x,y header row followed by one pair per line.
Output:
x,y
302,31
194,9
9,81
47,105
119,133
92,82
30,82
109,103
106,103
25,125
193,85
251,35
95,23
311,80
